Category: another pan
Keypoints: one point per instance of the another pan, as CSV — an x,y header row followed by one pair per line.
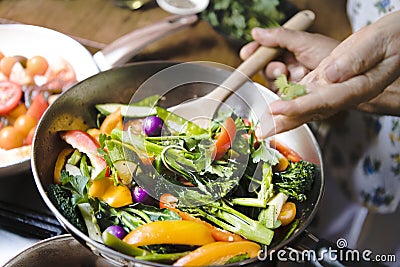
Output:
x,y
75,110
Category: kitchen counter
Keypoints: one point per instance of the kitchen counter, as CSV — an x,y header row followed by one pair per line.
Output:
x,y
96,23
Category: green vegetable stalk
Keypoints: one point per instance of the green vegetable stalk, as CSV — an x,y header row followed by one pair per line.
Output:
x,y
226,217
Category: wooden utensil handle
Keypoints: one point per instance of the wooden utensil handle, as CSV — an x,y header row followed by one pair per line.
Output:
x,y
301,21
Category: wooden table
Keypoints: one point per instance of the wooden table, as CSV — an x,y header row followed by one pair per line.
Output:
x,y
96,23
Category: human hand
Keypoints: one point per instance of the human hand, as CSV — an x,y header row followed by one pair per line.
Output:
x,y
355,74
303,51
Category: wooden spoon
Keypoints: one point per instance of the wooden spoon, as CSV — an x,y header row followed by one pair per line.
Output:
x,y
202,109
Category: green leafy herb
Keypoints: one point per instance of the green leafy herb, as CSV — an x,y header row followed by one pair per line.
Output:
x,y
236,18
289,90
265,153
76,185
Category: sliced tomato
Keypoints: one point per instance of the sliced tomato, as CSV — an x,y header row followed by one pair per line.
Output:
x,y
287,152
38,107
10,95
225,139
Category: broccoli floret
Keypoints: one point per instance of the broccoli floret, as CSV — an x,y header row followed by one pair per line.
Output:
x,y
62,200
296,179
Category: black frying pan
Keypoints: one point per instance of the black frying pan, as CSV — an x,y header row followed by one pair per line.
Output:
x,y
75,110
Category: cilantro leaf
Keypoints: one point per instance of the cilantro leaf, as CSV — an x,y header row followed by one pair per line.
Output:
x,y
265,153
289,90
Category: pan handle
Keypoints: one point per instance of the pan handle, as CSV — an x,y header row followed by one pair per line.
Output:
x,y
125,47
321,252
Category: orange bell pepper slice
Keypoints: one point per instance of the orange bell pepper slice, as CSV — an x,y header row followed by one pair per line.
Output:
x,y
288,213
281,165
114,195
170,232
112,121
168,201
218,253
217,233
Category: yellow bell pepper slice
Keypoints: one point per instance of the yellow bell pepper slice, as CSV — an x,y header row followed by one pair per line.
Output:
x,y
60,163
218,253
170,232
114,195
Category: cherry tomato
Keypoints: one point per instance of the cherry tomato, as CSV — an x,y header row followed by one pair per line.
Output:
x,y
24,124
10,138
288,213
10,94
37,65
18,111
6,65
225,139
168,200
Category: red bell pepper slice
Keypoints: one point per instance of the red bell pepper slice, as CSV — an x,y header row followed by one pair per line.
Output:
x,y
86,144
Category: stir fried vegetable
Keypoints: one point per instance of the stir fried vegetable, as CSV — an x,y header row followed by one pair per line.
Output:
x,y
163,189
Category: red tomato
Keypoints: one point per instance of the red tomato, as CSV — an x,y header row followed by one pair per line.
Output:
x,y
287,152
225,139
38,107
10,95
167,200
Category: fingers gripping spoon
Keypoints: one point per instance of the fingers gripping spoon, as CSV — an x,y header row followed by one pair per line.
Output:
x,y
201,110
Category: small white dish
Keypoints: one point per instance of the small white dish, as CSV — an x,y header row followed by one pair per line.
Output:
x,y
183,7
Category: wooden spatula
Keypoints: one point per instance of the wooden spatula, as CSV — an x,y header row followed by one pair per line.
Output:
x,y
202,109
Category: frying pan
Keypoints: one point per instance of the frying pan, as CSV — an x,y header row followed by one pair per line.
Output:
x,y
75,110
29,40
61,251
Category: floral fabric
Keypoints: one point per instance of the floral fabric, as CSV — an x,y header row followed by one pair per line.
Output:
x,y
362,151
